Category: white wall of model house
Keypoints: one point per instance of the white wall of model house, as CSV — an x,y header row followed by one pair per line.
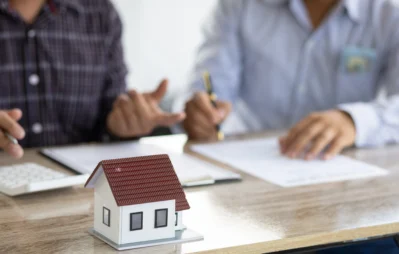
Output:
x,y
103,197
149,232
119,229
180,225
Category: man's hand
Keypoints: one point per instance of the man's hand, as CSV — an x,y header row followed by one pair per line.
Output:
x,y
8,123
331,131
202,117
136,114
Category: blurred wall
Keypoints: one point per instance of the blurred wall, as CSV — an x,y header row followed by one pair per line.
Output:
x,y
160,39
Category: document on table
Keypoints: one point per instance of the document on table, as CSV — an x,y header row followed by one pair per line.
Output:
x,y
261,158
190,170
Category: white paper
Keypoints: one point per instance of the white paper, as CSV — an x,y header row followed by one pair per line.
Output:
x,y
190,170
261,158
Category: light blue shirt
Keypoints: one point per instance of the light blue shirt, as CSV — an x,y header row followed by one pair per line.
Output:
x,y
265,58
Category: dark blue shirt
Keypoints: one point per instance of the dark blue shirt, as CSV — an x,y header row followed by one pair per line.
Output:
x,y
64,71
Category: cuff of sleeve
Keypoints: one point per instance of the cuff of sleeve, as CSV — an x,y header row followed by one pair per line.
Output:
x,y
366,122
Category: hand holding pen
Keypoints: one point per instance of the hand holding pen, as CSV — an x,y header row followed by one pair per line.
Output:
x,y
213,98
11,132
205,113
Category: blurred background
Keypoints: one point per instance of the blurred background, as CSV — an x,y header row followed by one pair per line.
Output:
x,y
160,40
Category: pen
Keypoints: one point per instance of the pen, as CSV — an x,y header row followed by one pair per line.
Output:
x,y
11,138
212,96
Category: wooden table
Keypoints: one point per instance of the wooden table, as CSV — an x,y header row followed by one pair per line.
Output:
x,y
252,216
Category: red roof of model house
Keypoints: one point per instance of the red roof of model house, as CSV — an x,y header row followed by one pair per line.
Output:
x,y
141,180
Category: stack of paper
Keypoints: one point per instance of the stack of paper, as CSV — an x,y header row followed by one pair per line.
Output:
x,y
261,158
191,171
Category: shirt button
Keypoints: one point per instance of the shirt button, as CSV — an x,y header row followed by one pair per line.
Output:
x,y
31,34
37,128
34,79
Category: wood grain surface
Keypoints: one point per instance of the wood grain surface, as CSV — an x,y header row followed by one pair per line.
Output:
x,y
251,216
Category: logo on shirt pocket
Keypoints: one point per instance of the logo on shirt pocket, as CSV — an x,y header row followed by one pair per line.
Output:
x,y
357,60
356,77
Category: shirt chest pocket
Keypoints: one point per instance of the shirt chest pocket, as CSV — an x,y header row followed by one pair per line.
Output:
x,y
357,75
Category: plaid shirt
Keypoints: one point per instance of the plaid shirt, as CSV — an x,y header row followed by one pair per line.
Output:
x,y
64,71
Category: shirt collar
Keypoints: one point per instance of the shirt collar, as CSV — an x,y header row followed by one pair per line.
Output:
x,y
73,4
355,9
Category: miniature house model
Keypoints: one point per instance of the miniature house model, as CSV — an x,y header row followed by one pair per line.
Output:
x,y
137,199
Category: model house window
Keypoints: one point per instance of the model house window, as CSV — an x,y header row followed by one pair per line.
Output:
x,y
161,218
136,221
176,219
106,216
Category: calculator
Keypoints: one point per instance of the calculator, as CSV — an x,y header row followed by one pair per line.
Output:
x,y
30,177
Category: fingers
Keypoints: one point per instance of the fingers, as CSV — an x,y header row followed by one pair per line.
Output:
x,y
297,145
197,125
321,142
116,123
15,114
196,132
10,124
294,132
203,104
168,120
336,147
160,92
224,109
202,117
135,114
145,117
331,130
150,115
129,117
282,144
199,120
13,150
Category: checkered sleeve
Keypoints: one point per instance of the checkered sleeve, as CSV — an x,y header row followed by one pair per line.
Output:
x,y
116,71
